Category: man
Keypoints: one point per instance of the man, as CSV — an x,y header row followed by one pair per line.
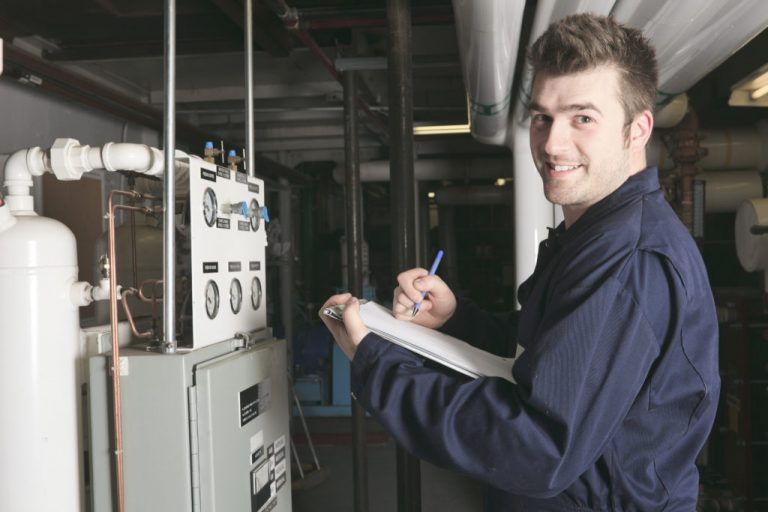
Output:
x,y
617,388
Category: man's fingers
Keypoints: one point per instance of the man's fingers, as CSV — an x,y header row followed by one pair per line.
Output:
x,y
352,321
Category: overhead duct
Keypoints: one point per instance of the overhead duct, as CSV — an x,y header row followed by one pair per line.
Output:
x,y
692,37
488,35
436,169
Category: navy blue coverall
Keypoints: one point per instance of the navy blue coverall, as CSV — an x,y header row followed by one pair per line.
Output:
x,y
616,390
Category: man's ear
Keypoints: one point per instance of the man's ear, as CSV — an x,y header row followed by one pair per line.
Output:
x,y
640,130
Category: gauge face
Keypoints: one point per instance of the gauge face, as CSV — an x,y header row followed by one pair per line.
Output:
x,y
256,293
211,299
253,213
235,295
210,206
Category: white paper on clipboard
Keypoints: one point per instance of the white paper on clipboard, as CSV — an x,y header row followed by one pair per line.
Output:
x,y
429,343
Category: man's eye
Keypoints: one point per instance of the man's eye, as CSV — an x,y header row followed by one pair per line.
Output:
x,y
540,118
583,119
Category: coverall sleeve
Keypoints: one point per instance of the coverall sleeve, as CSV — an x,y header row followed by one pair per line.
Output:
x,y
576,383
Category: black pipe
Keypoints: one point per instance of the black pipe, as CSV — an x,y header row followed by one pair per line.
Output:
x,y
402,197
353,202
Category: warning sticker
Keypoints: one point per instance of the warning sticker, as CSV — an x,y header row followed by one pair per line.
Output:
x,y
254,401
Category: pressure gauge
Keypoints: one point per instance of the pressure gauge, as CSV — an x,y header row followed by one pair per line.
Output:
x,y
235,295
212,299
256,293
253,213
210,206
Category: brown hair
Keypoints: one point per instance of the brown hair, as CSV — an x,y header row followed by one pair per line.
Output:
x,y
582,41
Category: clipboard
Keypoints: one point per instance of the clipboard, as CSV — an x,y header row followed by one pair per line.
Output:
x,y
429,343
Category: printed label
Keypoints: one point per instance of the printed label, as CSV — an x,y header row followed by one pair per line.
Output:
x,y
241,177
207,175
254,401
243,225
254,265
222,223
223,172
235,266
210,267
253,187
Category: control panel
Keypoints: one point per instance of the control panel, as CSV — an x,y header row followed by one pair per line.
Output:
x,y
228,240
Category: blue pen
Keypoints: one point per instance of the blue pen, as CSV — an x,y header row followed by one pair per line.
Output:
x,y
432,271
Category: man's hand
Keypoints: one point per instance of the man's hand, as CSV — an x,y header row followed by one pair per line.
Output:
x,y
351,332
437,306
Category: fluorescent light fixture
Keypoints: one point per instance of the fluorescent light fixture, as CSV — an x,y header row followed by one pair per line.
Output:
x,y
444,129
759,92
431,195
752,91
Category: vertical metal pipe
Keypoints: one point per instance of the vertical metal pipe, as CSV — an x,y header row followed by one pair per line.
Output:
x,y
249,156
169,184
353,201
402,203
286,260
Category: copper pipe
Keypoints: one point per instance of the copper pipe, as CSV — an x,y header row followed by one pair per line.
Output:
x,y
146,334
115,368
134,262
155,284
116,402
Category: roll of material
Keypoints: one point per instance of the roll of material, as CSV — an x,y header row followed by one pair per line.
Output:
x,y
751,241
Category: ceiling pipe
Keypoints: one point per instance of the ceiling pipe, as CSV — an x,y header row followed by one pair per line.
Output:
x,y
683,33
475,195
322,19
436,169
290,17
488,34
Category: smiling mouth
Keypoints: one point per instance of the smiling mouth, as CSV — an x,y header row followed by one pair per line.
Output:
x,y
562,168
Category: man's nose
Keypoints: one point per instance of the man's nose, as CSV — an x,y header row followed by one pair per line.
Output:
x,y
558,137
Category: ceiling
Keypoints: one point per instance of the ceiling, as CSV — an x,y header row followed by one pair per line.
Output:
x,y
118,44
108,54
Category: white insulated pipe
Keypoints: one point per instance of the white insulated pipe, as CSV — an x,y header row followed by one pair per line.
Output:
x,y
488,34
726,190
436,169
692,37
69,160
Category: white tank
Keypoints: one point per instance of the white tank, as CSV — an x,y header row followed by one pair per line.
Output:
x,y
40,449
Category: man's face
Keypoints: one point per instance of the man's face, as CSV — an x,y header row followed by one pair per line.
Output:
x,y
578,137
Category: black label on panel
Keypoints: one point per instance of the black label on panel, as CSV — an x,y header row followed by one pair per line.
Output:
x,y
223,172
253,187
235,266
243,225
279,455
207,175
210,267
254,265
271,450
222,223
241,177
280,481
257,454
254,401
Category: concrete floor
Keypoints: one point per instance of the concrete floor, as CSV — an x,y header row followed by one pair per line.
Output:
x,y
331,489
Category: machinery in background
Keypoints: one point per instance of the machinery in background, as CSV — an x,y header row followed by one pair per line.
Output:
x,y
204,428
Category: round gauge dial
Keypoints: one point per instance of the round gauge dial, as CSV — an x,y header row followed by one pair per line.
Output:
x,y
253,214
256,293
235,295
211,299
210,206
